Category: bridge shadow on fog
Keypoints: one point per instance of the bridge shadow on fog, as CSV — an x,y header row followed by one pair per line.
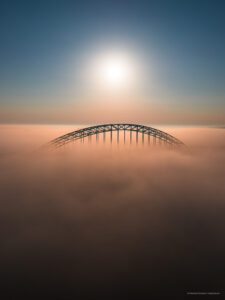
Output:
x,y
126,133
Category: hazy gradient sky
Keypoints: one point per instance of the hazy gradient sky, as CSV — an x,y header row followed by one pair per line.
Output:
x,y
47,47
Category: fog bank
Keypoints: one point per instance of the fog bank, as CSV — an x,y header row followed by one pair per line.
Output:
x,y
112,223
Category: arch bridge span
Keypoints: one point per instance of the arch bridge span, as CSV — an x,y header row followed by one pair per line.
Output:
x,y
152,133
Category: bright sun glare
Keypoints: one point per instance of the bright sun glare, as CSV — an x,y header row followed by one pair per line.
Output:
x,y
113,72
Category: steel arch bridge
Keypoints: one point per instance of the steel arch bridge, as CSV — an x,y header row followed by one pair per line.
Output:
x,y
151,133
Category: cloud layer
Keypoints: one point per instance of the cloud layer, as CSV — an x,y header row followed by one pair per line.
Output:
x,y
115,223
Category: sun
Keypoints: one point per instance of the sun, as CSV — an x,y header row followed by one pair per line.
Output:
x,y
113,72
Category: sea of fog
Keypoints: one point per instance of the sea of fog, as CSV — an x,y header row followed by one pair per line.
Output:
x,y
115,223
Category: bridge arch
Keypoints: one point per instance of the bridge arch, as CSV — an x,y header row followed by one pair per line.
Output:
x,y
97,129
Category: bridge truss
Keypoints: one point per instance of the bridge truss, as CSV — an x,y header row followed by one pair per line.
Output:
x,y
152,133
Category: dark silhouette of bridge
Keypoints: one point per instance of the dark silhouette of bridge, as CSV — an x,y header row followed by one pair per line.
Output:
x,y
153,135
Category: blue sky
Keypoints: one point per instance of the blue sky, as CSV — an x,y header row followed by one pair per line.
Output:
x,y
181,44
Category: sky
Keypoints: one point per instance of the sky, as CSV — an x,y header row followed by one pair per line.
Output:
x,y
175,50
